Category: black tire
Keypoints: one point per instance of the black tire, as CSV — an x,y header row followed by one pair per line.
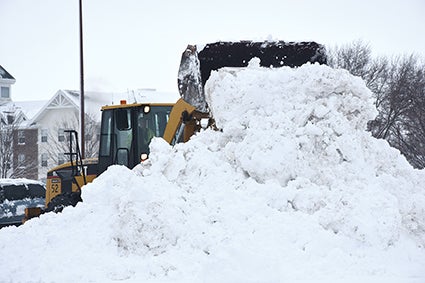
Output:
x,y
66,199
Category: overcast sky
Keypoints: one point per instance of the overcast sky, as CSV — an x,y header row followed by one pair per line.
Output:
x,y
131,44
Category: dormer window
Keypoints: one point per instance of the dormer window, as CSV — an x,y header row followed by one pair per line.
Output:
x,y
5,92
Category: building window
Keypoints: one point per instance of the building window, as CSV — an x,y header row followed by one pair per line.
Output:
x,y
10,119
61,135
21,160
5,92
44,160
21,137
61,158
44,133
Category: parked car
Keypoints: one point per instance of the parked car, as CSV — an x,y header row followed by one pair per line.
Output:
x,y
15,196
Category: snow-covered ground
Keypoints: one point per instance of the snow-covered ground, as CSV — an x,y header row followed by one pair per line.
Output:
x,y
293,189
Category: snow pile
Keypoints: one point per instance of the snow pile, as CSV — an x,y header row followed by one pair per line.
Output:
x,y
291,189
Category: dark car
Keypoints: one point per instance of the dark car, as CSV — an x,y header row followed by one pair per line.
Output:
x,y
15,196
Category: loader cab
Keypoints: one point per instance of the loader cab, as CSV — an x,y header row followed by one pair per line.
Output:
x,y
126,131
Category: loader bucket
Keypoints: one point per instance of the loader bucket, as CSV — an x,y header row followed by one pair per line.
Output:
x,y
195,67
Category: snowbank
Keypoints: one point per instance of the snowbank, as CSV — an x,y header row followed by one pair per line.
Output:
x,y
292,189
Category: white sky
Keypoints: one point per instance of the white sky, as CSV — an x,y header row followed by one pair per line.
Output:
x,y
137,44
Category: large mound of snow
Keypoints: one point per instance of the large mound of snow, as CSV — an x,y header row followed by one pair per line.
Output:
x,y
291,189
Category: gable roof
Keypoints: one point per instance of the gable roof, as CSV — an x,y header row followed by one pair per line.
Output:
x,y
18,114
30,108
59,100
93,101
5,74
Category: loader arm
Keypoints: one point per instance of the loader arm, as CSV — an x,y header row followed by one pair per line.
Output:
x,y
184,121
175,121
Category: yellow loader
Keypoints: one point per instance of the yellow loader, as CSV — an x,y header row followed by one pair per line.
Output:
x,y
127,129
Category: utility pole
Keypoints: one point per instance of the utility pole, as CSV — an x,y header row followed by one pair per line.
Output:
x,y
82,112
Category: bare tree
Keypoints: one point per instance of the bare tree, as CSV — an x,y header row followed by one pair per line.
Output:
x,y
8,124
399,88
395,102
92,136
354,57
407,92
23,168
59,139
12,164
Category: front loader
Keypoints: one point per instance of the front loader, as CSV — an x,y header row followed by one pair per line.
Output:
x,y
123,135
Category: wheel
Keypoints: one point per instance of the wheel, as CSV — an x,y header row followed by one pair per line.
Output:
x,y
66,199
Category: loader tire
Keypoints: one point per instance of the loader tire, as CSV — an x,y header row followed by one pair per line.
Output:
x,y
66,199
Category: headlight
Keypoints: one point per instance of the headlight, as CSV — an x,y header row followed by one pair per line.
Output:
x,y
146,109
143,157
